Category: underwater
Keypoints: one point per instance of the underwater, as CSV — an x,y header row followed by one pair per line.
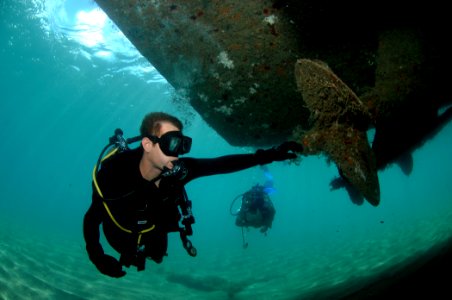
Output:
x,y
70,78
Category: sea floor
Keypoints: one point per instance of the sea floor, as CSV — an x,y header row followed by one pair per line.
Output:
x,y
55,266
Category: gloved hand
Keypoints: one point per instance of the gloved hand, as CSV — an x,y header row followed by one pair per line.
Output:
x,y
109,265
284,151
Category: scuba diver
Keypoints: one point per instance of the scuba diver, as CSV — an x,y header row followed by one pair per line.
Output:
x,y
256,209
139,195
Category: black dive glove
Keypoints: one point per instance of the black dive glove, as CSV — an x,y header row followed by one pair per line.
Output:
x,y
284,151
108,265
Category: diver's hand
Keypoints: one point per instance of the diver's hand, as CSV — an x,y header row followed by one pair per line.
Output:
x,y
284,151
109,265
290,146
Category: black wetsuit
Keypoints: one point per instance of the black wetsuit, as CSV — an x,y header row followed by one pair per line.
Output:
x,y
257,210
138,204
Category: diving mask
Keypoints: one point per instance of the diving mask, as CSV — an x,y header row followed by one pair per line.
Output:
x,y
173,143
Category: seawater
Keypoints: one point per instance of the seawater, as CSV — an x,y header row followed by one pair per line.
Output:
x,y
69,78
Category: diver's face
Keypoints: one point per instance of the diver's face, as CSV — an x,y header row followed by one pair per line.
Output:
x,y
153,151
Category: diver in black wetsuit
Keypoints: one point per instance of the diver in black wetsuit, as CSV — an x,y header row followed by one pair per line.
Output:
x,y
257,209
139,195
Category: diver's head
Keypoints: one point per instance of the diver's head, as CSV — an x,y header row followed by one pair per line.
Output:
x,y
162,141
166,131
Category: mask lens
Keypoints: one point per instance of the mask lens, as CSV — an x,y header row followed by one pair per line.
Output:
x,y
186,144
174,144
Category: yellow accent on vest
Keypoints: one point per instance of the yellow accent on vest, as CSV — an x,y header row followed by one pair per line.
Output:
x,y
140,233
95,171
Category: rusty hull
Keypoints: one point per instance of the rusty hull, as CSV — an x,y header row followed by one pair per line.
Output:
x,y
232,59
261,72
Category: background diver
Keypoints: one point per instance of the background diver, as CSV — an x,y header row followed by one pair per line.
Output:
x,y
256,208
139,196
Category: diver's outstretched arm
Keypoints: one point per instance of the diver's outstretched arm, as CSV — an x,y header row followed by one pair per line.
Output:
x,y
233,163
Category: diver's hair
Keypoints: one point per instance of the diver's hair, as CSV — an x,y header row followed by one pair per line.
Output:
x,y
152,122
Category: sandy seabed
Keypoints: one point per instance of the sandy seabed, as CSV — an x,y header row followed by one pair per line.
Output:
x,y
39,266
